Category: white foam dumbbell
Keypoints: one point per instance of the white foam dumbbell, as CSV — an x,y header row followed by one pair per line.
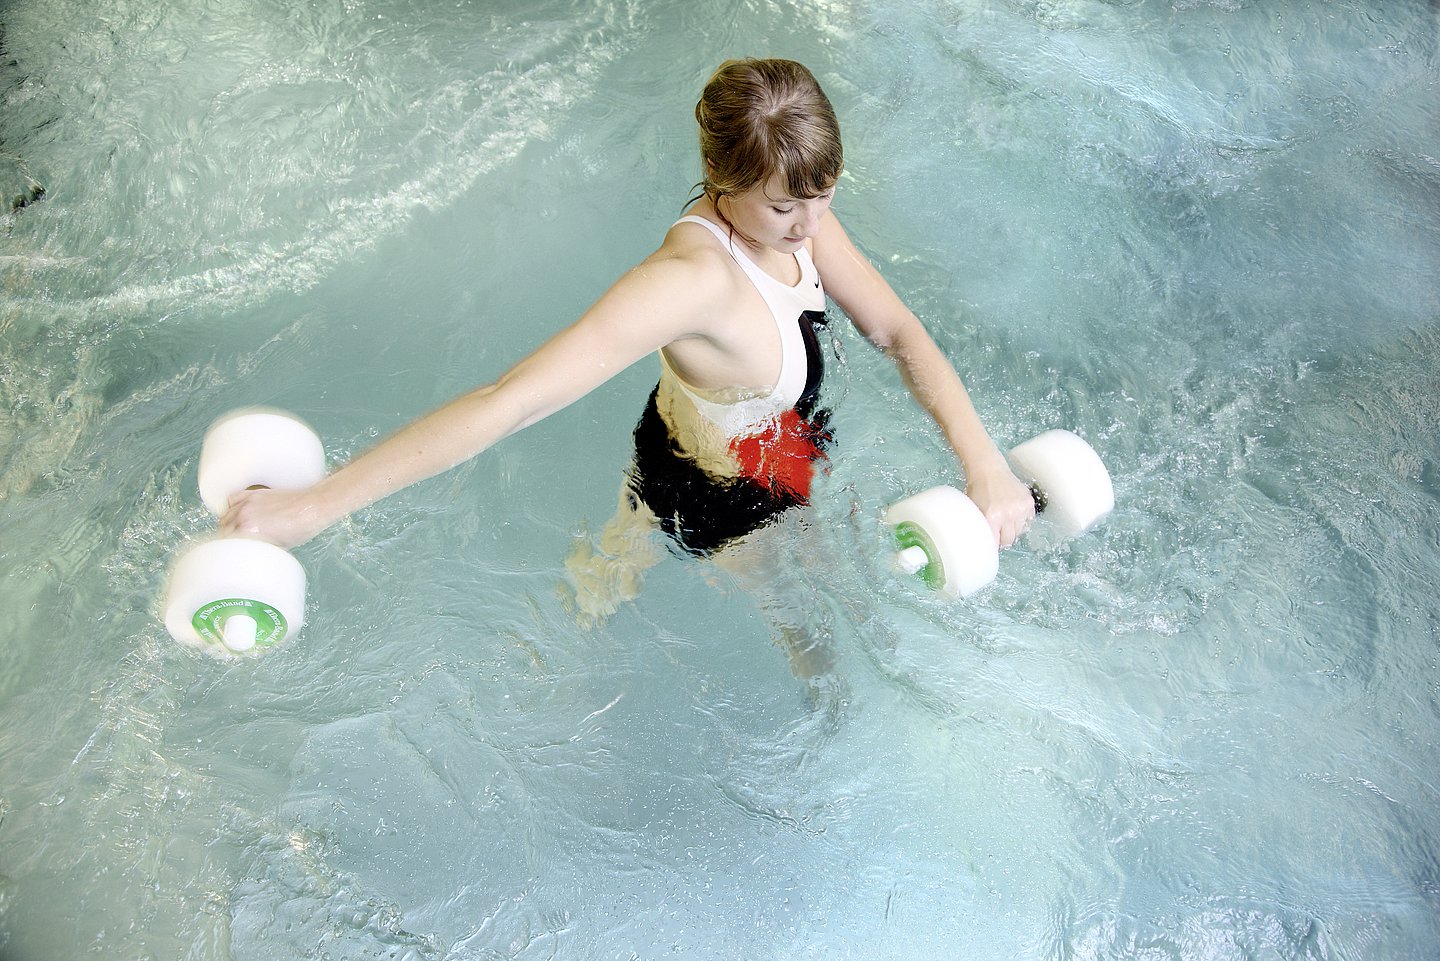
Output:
x,y
943,537
233,595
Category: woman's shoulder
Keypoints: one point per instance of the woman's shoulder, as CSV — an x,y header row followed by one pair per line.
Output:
x,y
694,237
683,287
691,254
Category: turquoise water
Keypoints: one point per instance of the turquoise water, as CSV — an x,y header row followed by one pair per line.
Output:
x,y
1204,235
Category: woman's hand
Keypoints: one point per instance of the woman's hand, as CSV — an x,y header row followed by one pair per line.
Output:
x,y
282,517
1003,499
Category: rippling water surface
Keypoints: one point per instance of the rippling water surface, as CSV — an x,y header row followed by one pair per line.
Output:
x,y
1205,235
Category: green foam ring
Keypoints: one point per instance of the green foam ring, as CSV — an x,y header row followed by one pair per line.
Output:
x,y
270,625
910,534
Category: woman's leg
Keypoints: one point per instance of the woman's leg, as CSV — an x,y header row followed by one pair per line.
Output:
x,y
610,570
772,565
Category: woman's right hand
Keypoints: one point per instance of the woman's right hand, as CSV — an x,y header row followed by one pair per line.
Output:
x,y
285,518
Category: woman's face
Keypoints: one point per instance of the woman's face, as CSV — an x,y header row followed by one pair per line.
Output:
x,y
767,216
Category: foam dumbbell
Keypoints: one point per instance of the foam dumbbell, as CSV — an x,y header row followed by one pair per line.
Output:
x,y
234,595
943,537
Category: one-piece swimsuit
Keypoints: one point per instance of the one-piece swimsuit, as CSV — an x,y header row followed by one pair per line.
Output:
x,y
774,438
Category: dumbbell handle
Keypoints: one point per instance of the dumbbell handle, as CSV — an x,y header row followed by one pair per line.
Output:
x,y
240,632
912,560
1038,496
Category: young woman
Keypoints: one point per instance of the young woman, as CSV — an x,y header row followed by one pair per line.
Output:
x,y
730,436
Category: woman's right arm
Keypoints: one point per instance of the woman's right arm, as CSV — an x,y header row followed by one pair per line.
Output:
x,y
659,301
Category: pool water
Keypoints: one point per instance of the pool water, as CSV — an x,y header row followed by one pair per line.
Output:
x,y
1204,235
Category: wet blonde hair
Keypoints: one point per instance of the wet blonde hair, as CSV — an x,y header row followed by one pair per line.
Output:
x,y
760,118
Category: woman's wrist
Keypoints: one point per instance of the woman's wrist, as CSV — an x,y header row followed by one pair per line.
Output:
x,y
979,459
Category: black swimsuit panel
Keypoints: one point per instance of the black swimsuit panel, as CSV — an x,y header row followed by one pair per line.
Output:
x,y
702,512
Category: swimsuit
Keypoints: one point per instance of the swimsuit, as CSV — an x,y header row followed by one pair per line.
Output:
x,y
774,438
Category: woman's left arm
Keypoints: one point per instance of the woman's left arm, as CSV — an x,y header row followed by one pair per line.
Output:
x,y
854,283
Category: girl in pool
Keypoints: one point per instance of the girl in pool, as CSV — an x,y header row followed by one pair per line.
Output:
x,y
729,440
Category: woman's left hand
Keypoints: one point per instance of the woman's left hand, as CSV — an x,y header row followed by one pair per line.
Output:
x,y
1003,499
